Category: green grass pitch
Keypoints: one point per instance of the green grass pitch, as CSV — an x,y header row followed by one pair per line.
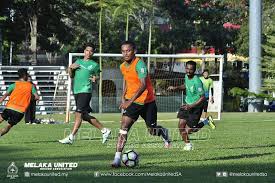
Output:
x,y
241,143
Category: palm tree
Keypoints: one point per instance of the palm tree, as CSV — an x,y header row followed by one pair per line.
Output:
x,y
129,8
103,5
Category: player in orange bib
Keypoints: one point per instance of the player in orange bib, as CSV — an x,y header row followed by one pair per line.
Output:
x,y
138,99
19,99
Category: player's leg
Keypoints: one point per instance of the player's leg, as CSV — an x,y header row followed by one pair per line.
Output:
x,y
13,117
85,100
149,114
5,130
184,127
206,120
27,116
70,138
93,121
1,118
33,110
126,123
205,107
129,116
77,123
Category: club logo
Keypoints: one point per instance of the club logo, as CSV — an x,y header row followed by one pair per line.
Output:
x,y
12,171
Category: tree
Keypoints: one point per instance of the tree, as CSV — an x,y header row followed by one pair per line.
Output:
x,y
103,5
4,14
40,25
130,8
268,66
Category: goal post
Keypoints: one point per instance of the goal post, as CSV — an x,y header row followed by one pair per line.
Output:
x,y
174,73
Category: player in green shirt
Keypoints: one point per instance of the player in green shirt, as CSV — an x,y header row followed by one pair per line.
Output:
x,y
190,112
207,86
84,71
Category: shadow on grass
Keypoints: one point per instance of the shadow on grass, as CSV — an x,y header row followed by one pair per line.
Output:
x,y
238,157
216,158
250,147
41,141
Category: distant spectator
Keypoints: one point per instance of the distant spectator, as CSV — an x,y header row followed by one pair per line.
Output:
x,y
30,112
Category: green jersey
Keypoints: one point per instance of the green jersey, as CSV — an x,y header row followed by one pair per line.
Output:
x,y
207,85
194,89
87,69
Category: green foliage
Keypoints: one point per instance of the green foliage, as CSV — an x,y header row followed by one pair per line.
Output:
x,y
239,92
236,91
197,21
268,66
3,18
242,41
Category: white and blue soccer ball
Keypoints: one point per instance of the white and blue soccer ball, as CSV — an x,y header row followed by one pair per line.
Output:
x,y
130,158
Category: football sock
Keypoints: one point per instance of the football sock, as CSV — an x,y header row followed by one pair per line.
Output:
x,y
203,122
188,144
117,155
103,130
71,136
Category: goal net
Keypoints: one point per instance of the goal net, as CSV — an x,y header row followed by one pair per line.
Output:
x,y
165,70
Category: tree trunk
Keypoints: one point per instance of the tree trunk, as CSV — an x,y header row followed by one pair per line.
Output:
x,y
33,35
127,27
0,45
100,61
150,37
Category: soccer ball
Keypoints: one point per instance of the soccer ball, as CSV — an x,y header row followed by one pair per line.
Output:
x,y
130,158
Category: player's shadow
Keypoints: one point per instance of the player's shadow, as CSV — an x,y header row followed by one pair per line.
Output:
x,y
96,138
41,141
249,147
192,139
216,158
66,158
10,149
238,157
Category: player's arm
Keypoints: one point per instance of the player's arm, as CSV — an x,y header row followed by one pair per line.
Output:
x,y
34,92
95,75
212,93
199,102
8,92
72,69
124,91
181,87
4,97
123,100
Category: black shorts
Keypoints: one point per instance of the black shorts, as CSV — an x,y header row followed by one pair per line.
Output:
x,y
149,114
192,116
205,105
82,101
133,111
13,117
